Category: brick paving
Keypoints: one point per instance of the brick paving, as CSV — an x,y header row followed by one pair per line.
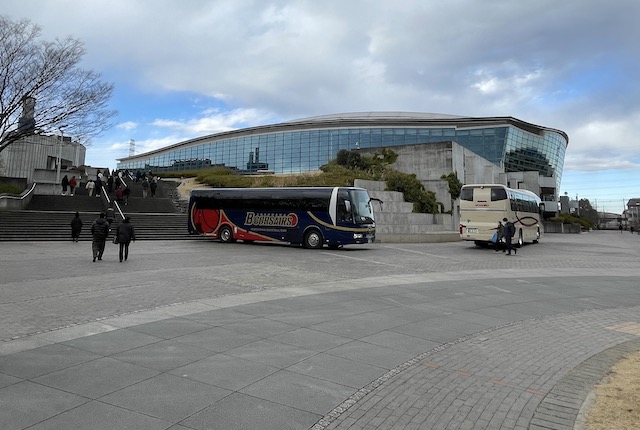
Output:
x,y
202,335
502,378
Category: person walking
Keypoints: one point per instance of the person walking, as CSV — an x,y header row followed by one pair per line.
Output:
x,y
125,234
125,194
65,184
110,183
99,185
509,232
119,194
153,186
73,183
145,188
110,215
100,232
90,187
76,227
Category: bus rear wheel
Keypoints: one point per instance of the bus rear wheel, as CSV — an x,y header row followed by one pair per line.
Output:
x,y
225,235
537,239
312,239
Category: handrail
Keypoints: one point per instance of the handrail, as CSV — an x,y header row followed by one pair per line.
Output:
x,y
106,196
119,210
22,197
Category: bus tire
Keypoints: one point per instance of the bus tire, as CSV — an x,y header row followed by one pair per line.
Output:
x,y
225,234
312,239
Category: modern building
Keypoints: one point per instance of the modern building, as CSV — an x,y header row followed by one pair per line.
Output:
x,y
632,213
299,146
40,157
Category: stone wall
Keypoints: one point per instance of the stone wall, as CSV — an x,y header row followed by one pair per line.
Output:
x,y
396,222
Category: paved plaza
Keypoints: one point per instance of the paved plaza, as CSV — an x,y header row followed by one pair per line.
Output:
x,y
203,335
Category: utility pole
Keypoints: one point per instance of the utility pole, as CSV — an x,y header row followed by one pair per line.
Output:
x,y
60,152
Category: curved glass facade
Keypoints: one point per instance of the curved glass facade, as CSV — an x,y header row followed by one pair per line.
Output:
x,y
303,147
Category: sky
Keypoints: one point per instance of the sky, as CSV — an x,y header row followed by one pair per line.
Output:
x,y
189,68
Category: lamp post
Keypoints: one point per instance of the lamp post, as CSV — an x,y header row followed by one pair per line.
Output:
x,y
59,161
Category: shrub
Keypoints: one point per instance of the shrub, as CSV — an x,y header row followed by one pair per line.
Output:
x,y
454,184
413,191
9,189
572,219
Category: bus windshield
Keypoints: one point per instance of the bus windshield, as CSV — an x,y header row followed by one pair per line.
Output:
x,y
362,210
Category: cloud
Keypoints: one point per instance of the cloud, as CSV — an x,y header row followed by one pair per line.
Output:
x,y
571,65
601,144
214,121
127,125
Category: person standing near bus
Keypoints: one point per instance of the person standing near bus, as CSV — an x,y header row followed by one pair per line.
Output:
x,y
499,237
509,232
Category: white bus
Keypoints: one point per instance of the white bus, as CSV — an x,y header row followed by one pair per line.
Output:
x,y
482,206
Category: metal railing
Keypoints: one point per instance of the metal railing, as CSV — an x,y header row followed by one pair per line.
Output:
x,y
17,202
22,196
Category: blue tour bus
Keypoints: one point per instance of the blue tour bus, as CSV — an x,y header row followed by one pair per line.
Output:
x,y
307,216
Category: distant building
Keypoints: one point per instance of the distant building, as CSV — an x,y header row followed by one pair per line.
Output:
x,y
31,155
632,213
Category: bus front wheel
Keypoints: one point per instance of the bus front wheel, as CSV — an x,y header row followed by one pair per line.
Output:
x,y
225,235
313,239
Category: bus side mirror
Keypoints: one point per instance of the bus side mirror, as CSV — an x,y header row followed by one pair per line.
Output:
x,y
347,206
541,207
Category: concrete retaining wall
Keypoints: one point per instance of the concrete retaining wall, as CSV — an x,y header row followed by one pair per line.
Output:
x,y
397,223
558,227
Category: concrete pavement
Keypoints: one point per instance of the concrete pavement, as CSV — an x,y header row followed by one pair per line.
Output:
x,y
390,336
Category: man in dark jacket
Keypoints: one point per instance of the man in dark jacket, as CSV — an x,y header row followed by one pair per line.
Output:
x,y
509,232
100,232
76,227
125,234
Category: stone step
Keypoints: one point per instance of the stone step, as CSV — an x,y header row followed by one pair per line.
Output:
x,y
54,225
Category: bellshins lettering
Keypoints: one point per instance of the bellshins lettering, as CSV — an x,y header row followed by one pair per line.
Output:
x,y
271,220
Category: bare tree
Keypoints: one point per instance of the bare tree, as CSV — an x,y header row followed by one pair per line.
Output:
x,y
42,88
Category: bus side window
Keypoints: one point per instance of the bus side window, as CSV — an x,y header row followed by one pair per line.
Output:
x,y
498,194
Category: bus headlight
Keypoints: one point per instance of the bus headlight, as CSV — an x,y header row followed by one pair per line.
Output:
x,y
358,235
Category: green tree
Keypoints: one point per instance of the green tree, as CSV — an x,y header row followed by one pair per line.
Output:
x,y
454,184
42,87
413,191
587,211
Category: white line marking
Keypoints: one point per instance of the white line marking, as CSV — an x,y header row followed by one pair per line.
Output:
x,y
416,252
497,288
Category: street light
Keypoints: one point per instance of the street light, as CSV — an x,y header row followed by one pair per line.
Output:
x,y
59,161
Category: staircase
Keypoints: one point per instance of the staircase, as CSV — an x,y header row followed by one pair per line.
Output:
x,y
48,218
396,221
51,226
